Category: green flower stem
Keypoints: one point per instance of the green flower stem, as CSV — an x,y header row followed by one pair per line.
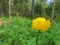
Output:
x,y
37,37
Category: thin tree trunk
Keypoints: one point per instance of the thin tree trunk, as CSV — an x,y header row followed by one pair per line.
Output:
x,y
1,10
9,8
53,9
42,8
33,4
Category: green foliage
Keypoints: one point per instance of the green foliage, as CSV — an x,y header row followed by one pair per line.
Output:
x,y
20,32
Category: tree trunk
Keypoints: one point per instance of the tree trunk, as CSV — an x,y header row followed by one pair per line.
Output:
x,y
53,8
33,4
1,12
9,8
42,8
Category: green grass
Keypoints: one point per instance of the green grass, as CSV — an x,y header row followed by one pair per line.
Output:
x,y
20,32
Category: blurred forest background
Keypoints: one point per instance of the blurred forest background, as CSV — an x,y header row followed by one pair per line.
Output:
x,y
16,19
30,8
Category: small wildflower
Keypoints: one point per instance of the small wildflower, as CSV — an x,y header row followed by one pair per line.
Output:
x,y
17,14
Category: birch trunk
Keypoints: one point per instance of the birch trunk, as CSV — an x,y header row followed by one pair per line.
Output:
x,y
53,9
33,4
9,8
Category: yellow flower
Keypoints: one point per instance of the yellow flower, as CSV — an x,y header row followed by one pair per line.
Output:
x,y
0,19
41,24
17,14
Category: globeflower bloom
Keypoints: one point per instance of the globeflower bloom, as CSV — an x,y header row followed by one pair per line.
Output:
x,y
41,24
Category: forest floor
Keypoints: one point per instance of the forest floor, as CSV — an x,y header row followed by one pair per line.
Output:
x,y
18,31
